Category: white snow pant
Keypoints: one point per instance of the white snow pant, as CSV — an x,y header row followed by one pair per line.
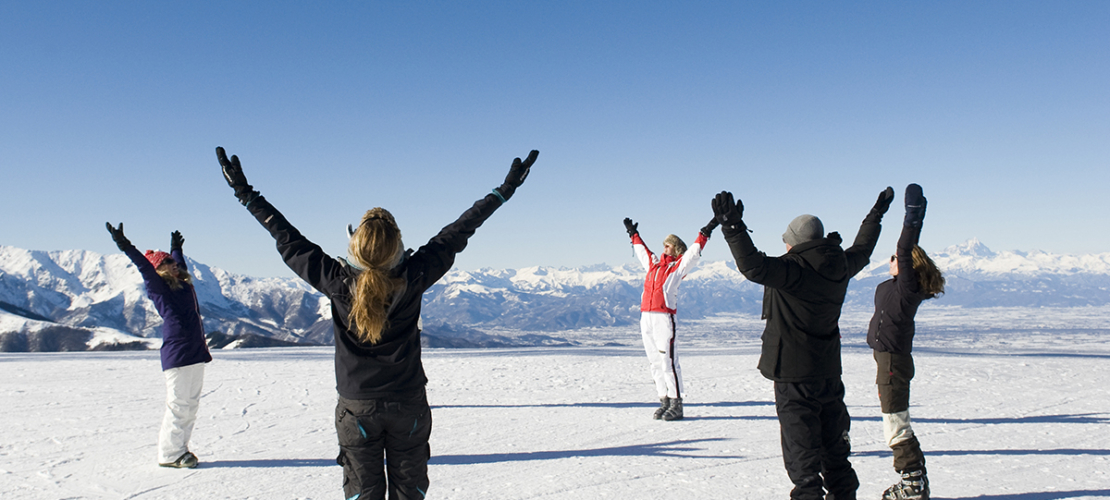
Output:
x,y
658,330
183,385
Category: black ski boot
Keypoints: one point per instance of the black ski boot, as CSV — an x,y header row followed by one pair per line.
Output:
x,y
664,403
913,486
674,412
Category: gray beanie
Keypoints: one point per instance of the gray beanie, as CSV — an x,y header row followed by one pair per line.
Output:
x,y
802,229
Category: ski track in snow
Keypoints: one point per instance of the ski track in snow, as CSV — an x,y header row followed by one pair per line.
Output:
x,y
1000,416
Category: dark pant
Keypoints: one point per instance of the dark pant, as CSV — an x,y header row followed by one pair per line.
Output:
x,y
814,424
893,375
396,428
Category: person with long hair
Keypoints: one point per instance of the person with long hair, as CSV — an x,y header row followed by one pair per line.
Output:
x,y
375,294
658,305
915,278
184,350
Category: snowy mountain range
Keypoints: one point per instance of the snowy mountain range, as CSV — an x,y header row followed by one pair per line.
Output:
x,y
77,291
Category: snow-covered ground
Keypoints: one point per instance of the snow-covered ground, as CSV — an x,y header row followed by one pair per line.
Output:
x,y
1000,415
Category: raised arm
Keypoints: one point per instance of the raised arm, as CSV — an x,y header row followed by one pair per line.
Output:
x,y
304,257
690,258
911,232
859,254
756,266
176,241
643,254
437,256
154,283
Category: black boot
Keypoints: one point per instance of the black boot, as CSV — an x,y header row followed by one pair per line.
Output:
x,y
675,410
913,486
664,403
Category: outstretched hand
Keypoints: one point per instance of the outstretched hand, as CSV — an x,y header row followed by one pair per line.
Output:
x,y
233,174
883,203
708,229
517,173
915,205
728,211
117,236
520,169
176,240
631,227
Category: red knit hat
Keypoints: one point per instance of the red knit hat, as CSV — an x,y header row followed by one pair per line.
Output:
x,y
157,257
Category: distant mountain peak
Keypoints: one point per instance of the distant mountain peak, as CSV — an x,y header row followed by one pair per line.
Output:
x,y
970,248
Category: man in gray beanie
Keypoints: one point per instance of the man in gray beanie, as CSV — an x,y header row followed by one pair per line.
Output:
x,y
803,228
803,292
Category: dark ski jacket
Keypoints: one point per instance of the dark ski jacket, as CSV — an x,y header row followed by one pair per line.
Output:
x,y
803,292
183,341
896,301
392,367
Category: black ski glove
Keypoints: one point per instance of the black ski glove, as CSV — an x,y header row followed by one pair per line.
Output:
x,y
915,206
233,173
708,229
727,211
631,227
517,173
883,203
176,240
117,236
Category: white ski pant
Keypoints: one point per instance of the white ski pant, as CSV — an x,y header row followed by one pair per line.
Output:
x,y
658,330
183,385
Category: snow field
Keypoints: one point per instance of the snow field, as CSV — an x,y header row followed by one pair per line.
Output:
x,y
1026,420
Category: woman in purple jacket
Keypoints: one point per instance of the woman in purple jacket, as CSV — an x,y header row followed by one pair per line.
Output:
x,y
915,279
184,350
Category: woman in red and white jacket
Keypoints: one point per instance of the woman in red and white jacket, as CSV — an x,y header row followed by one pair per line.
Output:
x,y
658,305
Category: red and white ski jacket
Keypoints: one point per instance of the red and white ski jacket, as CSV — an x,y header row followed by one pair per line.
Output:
x,y
664,273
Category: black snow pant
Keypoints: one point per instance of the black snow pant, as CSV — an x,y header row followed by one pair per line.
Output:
x,y
894,372
396,428
814,424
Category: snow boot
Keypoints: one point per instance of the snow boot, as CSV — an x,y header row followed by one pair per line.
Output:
x,y
664,403
913,486
186,461
674,412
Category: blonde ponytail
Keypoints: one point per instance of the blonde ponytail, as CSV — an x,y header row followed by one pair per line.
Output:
x,y
375,246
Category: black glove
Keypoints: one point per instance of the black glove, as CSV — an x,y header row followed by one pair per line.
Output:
x,y
517,173
915,206
233,172
630,227
708,229
117,236
176,240
727,211
883,203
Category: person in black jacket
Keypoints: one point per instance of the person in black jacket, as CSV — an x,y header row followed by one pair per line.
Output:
x,y
804,290
375,295
915,279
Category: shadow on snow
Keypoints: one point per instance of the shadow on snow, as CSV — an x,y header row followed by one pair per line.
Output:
x,y
681,449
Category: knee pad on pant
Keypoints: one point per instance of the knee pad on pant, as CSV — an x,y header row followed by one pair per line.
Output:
x,y
896,427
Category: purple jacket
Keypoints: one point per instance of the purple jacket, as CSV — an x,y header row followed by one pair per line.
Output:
x,y
183,341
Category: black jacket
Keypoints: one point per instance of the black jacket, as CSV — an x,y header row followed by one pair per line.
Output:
x,y
896,301
804,290
392,367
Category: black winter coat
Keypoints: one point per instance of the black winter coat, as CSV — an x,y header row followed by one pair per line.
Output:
x,y
896,301
804,290
391,368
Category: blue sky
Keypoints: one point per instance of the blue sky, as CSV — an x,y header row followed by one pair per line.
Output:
x,y
111,111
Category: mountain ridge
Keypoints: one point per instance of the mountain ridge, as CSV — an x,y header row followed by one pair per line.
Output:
x,y
86,290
